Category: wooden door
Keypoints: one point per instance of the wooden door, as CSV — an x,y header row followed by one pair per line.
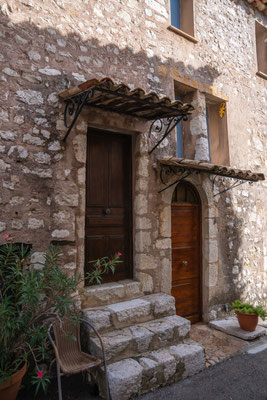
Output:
x,y
108,227
186,259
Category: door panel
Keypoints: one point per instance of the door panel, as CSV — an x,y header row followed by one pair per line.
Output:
x,y
108,202
187,297
186,256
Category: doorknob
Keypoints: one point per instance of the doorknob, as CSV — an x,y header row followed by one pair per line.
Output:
x,y
107,211
184,263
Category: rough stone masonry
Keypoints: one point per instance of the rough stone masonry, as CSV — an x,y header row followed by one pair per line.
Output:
x,y
49,46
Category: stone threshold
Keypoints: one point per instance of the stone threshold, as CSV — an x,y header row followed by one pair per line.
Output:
x,y
231,327
109,293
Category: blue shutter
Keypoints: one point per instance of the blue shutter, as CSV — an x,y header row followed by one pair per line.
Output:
x,y
175,14
179,136
208,129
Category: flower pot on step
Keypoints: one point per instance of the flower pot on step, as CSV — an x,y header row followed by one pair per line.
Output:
x,y
247,322
9,389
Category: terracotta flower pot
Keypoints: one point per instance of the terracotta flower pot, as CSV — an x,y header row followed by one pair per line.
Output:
x,y
247,322
10,388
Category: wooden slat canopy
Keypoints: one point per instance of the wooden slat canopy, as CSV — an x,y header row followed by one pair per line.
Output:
x,y
208,168
107,95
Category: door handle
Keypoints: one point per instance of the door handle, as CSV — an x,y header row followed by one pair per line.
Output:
x,y
107,211
184,263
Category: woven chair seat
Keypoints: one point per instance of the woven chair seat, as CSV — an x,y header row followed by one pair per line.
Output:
x,y
76,362
70,358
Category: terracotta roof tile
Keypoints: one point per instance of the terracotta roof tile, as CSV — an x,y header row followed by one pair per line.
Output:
x,y
209,168
120,98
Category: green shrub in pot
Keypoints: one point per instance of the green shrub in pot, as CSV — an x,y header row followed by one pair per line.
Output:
x,y
30,299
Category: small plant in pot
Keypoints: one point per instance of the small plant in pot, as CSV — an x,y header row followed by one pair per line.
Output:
x,y
248,315
30,299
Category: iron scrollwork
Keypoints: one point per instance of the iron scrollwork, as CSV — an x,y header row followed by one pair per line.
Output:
x,y
166,125
167,172
73,109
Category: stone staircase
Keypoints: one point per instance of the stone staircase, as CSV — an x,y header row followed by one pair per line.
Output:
x,y
147,345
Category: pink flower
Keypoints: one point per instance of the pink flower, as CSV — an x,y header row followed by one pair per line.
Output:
x,y
6,236
119,254
40,374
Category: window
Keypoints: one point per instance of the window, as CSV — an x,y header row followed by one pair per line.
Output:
x,y
182,18
216,116
185,193
261,44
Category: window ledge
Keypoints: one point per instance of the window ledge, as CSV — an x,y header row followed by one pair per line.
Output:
x,y
262,74
182,33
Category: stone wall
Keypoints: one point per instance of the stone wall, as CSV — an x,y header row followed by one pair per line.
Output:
x,y
46,47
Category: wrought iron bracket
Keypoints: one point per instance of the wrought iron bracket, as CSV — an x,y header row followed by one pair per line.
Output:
x,y
168,170
234,185
166,125
73,108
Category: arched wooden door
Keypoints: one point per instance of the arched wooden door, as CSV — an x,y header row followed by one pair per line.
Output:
x,y
186,252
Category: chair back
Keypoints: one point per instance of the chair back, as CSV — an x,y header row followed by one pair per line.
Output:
x,y
67,337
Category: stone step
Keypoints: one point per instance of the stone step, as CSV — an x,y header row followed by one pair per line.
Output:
x,y
109,293
138,339
138,375
127,313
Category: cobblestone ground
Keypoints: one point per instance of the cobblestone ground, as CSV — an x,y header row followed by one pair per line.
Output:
x,y
218,345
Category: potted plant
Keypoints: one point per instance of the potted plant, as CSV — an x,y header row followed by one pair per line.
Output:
x,y
30,299
247,315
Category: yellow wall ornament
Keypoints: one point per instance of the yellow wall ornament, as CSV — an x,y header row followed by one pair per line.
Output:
x,y
222,109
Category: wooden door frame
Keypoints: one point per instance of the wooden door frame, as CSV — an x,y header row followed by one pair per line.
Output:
x,y
105,131
200,243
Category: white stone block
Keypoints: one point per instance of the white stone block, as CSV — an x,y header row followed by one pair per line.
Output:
x,y
35,223
130,310
60,233
49,71
31,97
125,379
2,226
191,355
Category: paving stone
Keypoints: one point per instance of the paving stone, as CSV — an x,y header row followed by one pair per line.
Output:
x,y
118,344
231,326
156,368
162,330
131,311
151,374
191,355
134,340
125,379
166,360
99,318
147,364
182,324
142,337
110,293
132,288
162,304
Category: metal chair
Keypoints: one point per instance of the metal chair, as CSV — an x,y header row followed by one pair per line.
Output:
x,y
69,357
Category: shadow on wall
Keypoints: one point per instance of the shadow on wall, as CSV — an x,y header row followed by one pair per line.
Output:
x,y
45,60
39,62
